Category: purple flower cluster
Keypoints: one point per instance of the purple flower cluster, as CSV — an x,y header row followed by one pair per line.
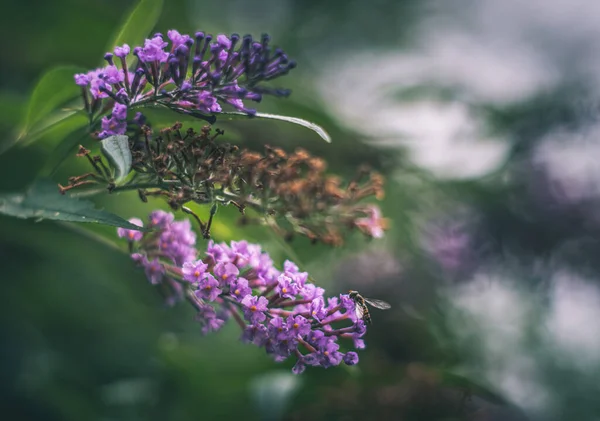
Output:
x,y
172,241
277,310
194,75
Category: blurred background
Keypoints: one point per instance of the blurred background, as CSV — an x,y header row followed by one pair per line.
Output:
x,y
483,116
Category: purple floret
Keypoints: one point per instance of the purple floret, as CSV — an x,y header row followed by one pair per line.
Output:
x,y
298,326
256,334
208,288
255,308
82,79
153,50
194,271
177,39
161,219
286,287
240,289
122,51
207,317
226,272
351,358
131,235
113,75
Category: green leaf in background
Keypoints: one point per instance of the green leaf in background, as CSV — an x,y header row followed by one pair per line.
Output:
x,y
54,88
272,393
312,126
455,380
138,24
60,123
116,149
65,148
43,201
57,127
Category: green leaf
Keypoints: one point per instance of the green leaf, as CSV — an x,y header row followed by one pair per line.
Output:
x,y
452,379
312,126
272,393
138,24
54,88
58,126
63,150
116,149
43,201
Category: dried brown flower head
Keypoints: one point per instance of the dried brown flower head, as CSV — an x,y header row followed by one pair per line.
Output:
x,y
291,191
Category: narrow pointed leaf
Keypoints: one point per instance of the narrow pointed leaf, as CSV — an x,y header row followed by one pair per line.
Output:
x,y
43,201
53,89
63,150
60,123
116,149
138,24
294,120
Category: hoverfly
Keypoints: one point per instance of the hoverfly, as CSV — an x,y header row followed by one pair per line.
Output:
x,y
360,305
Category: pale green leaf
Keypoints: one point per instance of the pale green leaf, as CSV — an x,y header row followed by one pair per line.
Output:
x,y
294,120
116,150
53,89
57,125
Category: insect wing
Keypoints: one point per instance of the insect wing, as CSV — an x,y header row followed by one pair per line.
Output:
x,y
359,311
381,305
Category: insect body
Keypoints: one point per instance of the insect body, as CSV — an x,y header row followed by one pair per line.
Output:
x,y
360,305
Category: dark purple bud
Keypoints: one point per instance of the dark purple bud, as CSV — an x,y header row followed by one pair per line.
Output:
x,y
122,96
264,40
173,65
351,358
182,50
246,42
207,41
199,37
196,65
109,93
283,59
136,51
253,96
139,119
139,73
109,58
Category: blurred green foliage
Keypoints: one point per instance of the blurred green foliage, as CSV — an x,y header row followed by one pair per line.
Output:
x,y
84,336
